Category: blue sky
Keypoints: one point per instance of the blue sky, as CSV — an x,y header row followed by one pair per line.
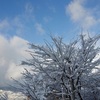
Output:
x,y
34,20
23,21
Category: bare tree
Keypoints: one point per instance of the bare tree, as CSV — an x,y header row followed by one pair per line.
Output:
x,y
64,68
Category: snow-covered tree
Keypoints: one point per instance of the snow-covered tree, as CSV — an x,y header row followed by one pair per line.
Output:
x,y
63,69
4,96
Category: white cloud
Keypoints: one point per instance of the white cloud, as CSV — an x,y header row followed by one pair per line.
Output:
x,y
29,8
79,13
4,23
29,12
14,26
4,26
12,51
20,24
47,19
39,28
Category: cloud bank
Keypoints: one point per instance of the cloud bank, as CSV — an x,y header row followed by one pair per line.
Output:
x,y
81,14
12,51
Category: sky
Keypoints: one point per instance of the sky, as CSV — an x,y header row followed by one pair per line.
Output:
x,y
23,21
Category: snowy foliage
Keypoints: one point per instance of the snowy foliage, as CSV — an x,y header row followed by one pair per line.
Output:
x,y
64,70
4,96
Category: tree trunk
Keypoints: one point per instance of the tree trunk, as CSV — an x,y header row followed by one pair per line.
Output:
x,y
72,89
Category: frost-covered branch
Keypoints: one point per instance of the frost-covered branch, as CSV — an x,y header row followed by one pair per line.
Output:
x,y
60,65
